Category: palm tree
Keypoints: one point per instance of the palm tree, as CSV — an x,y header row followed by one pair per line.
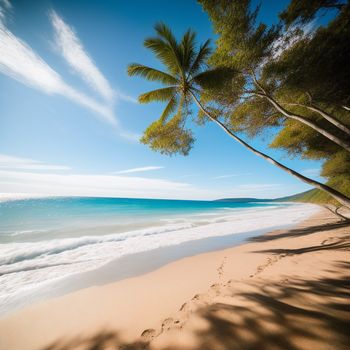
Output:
x,y
185,80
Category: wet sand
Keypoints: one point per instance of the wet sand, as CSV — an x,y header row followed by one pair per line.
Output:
x,y
288,289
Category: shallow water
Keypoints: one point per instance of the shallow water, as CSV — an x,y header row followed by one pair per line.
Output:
x,y
44,241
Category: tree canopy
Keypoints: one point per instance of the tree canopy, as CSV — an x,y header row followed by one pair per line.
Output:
x,y
303,68
283,79
186,72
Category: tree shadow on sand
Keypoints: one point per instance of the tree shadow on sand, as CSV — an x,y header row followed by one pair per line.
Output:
x,y
292,314
340,245
299,232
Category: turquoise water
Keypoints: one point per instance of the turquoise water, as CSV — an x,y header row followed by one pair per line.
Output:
x,y
50,218
46,242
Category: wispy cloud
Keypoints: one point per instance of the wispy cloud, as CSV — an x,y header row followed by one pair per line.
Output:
x,y
128,135
20,62
311,172
5,6
11,162
30,177
6,3
72,50
230,175
58,184
138,170
125,97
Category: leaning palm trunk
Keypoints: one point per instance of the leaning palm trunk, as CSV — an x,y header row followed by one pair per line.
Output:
x,y
339,141
325,115
185,70
332,192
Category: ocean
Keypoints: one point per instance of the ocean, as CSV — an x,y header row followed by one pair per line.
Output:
x,y
45,241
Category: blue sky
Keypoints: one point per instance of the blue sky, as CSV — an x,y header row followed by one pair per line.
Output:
x,y
69,123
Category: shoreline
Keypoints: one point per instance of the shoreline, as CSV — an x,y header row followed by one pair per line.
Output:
x,y
137,305
151,251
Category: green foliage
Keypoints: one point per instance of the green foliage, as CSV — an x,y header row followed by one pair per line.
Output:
x,y
168,138
319,197
186,73
317,64
298,140
337,165
213,79
163,94
293,67
253,116
304,11
151,74
313,196
242,42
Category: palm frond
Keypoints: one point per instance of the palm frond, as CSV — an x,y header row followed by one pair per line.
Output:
x,y
213,78
187,47
166,48
200,60
165,33
165,54
151,74
163,94
169,108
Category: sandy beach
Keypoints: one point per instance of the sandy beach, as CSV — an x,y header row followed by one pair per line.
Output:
x,y
175,175
288,289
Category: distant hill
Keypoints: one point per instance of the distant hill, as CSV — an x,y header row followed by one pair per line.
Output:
x,y
311,196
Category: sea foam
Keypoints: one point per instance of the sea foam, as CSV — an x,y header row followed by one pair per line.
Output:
x,y
28,266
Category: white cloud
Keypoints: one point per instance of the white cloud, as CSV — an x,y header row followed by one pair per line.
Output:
x,y
126,98
5,6
128,135
230,175
20,62
29,177
138,170
26,177
10,162
55,184
311,172
72,50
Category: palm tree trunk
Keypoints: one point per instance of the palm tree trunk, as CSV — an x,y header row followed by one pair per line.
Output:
x,y
322,131
343,143
325,115
332,192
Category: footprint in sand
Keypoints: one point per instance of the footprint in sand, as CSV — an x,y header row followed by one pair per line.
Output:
x,y
148,334
188,307
214,289
171,323
200,298
220,269
167,324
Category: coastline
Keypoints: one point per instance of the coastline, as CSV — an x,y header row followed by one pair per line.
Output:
x,y
167,303
32,272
